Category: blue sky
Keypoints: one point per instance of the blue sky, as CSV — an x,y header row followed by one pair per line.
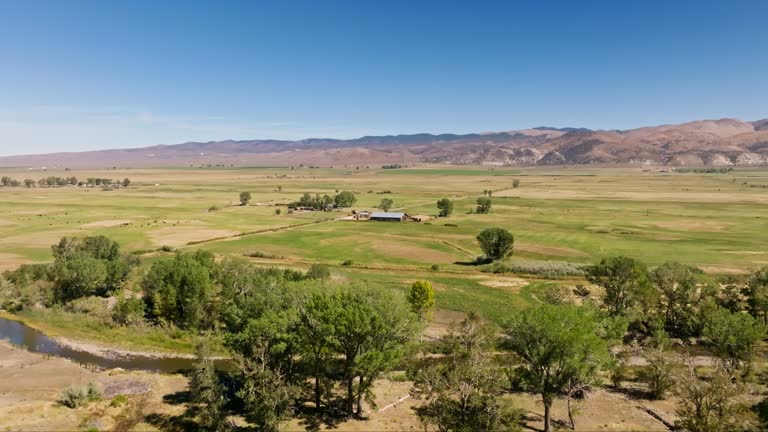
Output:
x,y
78,75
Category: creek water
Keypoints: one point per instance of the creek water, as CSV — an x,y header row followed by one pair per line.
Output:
x,y
33,340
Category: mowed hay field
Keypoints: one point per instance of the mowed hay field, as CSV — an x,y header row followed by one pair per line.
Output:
x,y
718,222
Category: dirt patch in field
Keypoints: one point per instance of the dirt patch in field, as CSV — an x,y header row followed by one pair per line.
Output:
x,y
42,239
9,261
107,223
509,283
181,235
413,252
721,270
441,321
692,225
550,250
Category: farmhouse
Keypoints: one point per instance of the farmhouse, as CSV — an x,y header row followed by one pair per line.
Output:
x,y
388,216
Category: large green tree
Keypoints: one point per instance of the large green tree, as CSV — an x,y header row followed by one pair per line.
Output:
x,y
558,347
445,206
345,199
733,337
678,292
179,290
624,280
496,243
756,292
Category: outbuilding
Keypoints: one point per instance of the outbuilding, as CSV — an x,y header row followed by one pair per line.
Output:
x,y
388,216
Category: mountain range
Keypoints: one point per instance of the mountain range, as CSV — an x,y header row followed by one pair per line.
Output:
x,y
725,142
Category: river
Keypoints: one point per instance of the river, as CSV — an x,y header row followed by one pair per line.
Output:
x,y
33,340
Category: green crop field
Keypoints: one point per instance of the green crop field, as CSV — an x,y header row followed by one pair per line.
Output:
x,y
718,222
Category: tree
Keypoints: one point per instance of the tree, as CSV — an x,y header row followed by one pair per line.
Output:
x,y
245,197
386,204
559,348
515,183
462,389
658,372
5,181
179,290
624,280
708,405
371,329
483,205
29,183
496,243
445,206
421,297
677,297
315,332
756,292
345,199
78,275
126,182
207,392
732,337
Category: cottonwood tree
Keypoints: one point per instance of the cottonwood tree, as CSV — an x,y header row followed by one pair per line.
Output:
x,y
677,286
496,243
421,297
483,205
756,292
624,280
179,290
371,329
345,199
559,348
207,392
386,204
245,198
709,405
659,372
445,206
733,337
462,388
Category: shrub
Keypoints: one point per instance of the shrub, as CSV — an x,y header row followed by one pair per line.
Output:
x,y
546,269
93,306
434,267
129,311
265,255
118,401
451,225
166,248
213,208
318,271
77,396
347,262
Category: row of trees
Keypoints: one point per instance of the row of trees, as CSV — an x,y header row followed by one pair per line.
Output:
x,y
326,202
53,181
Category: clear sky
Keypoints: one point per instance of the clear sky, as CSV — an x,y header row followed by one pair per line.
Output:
x,y
78,75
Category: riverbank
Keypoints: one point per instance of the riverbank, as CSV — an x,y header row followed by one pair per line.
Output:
x,y
84,335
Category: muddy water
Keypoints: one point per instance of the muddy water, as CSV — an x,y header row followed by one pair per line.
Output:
x,y
33,340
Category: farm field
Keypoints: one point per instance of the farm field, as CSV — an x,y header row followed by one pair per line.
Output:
x,y
717,222
564,217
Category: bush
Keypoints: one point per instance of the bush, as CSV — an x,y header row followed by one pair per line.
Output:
x,y
347,262
166,248
213,208
77,396
118,401
129,311
93,306
264,255
318,271
434,267
546,269
451,225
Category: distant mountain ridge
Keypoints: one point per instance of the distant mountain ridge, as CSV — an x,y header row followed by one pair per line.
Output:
x,y
724,142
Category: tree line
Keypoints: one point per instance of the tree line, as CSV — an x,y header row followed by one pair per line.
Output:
x,y
56,181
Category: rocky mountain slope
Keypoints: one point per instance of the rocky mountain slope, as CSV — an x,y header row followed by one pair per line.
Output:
x,y
725,142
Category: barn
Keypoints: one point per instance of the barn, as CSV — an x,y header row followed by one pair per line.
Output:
x,y
388,216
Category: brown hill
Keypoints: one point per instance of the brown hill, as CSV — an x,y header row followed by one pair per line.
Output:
x,y
723,142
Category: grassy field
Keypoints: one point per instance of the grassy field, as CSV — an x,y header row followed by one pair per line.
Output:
x,y
715,221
